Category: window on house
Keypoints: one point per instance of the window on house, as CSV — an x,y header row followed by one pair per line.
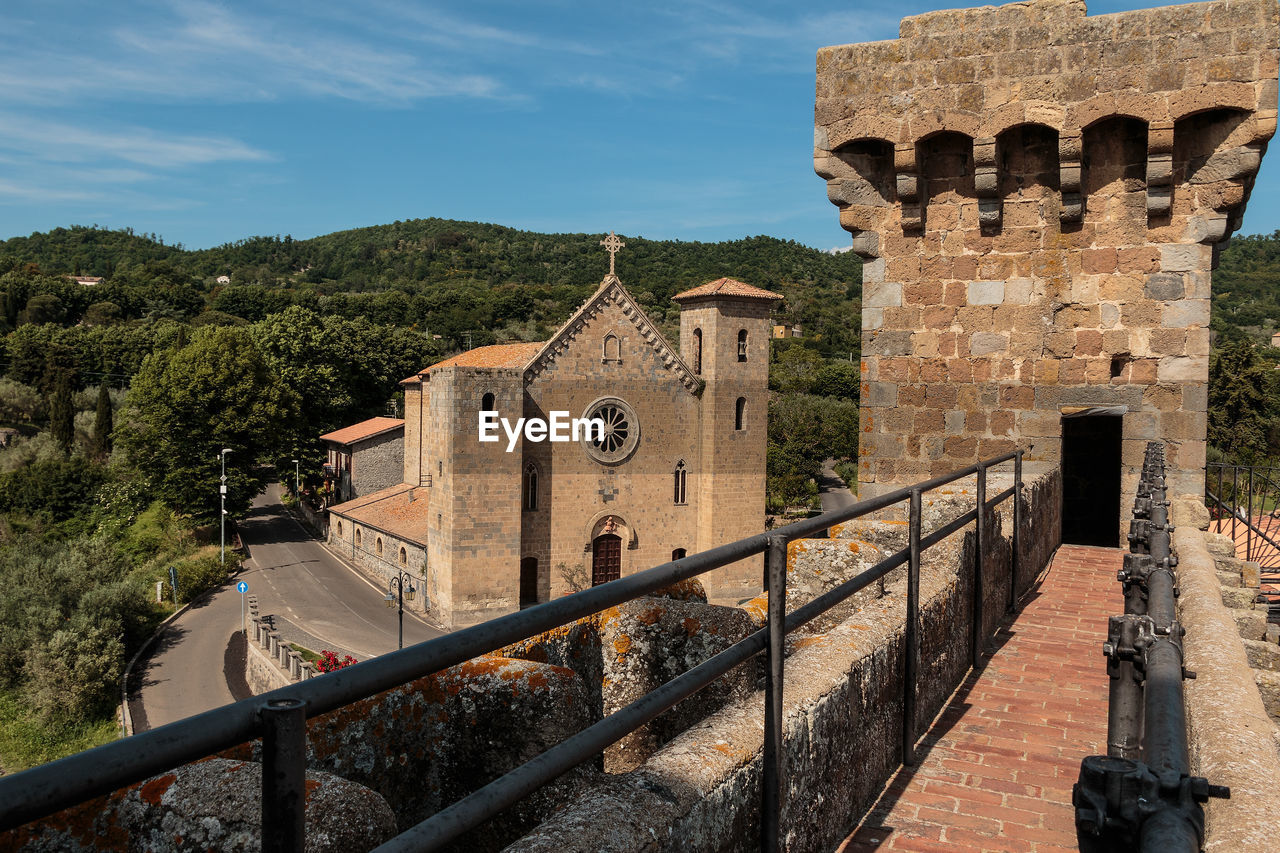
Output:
x,y
530,487
742,345
739,413
404,557
357,537
697,351
339,529
377,546
680,481
612,349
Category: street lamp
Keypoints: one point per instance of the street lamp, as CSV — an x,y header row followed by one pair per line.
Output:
x,y
297,481
222,493
390,598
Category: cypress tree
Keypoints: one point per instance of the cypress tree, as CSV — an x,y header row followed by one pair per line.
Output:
x,y
62,412
103,422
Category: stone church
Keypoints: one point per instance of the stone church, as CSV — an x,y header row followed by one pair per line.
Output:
x,y
483,529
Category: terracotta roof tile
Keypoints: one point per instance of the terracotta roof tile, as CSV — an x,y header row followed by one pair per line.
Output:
x,y
362,430
496,355
400,510
727,287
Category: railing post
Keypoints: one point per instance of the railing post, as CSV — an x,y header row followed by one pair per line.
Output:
x,y
912,637
1017,531
771,784
975,630
284,766
1248,529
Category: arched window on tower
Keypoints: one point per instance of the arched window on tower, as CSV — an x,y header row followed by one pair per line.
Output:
x,y
678,554
377,546
697,351
530,487
742,345
612,349
740,413
357,537
486,403
680,482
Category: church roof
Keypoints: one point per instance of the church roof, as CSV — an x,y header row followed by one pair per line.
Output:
x,y
611,291
727,287
496,355
361,431
399,510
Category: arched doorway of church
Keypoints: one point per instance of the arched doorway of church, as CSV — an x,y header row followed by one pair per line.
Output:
x,y
606,559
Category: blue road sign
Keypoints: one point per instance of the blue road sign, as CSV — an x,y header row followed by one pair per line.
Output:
x,y
242,587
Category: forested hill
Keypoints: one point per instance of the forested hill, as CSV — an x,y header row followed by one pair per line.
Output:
x,y
456,276
1246,287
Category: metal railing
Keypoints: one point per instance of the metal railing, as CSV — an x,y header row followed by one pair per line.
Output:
x,y
279,717
1244,503
1141,794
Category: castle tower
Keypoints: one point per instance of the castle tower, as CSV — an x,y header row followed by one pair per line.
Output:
x,y
724,337
1039,197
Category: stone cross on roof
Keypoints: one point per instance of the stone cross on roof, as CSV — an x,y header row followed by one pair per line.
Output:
x,y
611,245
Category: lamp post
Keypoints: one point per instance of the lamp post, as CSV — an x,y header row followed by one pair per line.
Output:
x,y
390,598
297,481
222,493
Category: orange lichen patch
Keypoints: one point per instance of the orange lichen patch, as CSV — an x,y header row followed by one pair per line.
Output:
x,y
691,625
758,607
836,530
860,627
650,616
309,786
622,645
855,547
805,642
151,792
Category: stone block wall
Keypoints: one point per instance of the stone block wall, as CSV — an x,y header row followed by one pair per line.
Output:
x,y
1039,196
377,463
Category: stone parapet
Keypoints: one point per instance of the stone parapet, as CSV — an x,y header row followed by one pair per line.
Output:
x,y
1233,741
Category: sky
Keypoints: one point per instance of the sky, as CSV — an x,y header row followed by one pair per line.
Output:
x,y
207,122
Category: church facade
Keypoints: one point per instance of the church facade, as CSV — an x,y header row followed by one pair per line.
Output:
x,y
487,527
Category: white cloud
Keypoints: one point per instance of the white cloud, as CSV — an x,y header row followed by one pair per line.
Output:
x,y
56,141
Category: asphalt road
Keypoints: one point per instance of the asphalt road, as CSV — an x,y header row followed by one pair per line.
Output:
x,y
832,490
317,599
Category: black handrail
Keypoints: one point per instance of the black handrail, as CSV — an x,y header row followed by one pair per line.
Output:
x,y
46,789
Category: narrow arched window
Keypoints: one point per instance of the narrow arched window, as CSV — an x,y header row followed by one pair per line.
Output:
x,y
486,403
404,557
530,487
680,482
612,349
740,413
357,537
377,546
742,345
339,529
678,553
697,351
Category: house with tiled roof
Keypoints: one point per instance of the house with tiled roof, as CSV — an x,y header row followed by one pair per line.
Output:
x,y
487,520
364,457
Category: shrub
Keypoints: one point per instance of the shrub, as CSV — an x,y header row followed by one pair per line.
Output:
x,y
329,662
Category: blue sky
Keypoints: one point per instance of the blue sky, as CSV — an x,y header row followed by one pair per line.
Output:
x,y
206,122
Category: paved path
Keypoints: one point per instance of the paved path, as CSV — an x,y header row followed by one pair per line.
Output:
x,y
317,599
833,492
996,769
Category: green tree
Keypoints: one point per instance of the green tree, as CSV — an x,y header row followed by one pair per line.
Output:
x,y
1243,403
62,412
794,370
838,379
103,422
805,430
185,406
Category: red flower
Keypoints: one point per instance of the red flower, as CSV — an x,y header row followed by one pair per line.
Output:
x,y
329,661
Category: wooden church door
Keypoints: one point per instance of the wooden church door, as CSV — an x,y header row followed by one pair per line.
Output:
x,y
606,562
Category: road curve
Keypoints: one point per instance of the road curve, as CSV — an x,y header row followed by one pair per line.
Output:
x,y
317,600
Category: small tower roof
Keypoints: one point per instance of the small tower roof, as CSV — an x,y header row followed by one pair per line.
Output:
x,y
727,287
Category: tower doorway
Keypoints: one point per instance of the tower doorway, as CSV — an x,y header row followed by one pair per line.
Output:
x,y
528,581
1091,477
606,559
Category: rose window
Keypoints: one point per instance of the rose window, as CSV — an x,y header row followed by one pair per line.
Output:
x,y
621,431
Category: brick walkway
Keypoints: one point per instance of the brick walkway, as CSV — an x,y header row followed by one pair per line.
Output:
x,y
995,771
